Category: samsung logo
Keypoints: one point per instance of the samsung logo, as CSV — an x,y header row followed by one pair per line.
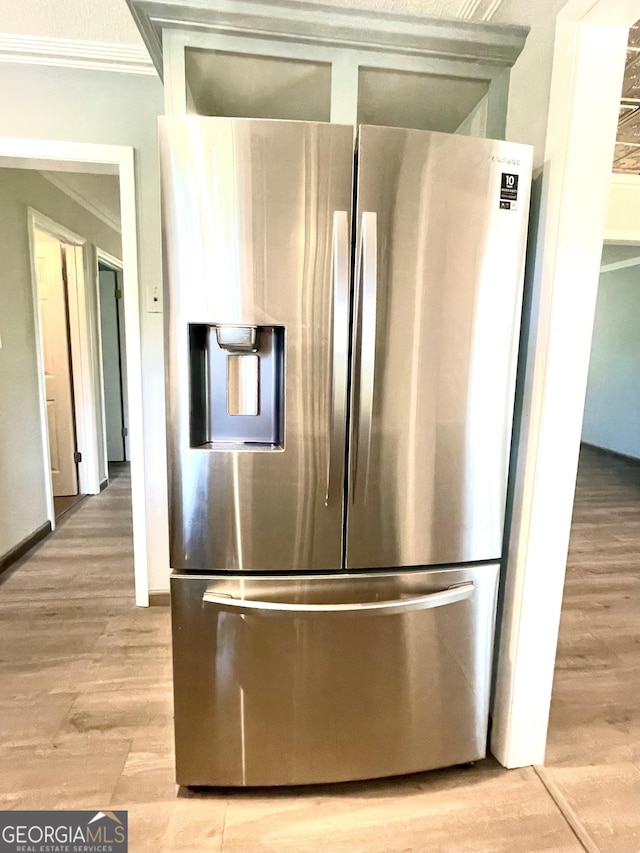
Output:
x,y
509,161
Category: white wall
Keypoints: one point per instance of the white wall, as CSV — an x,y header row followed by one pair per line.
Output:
x,y
530,79
588,65
612,406
623,209
96,106
116,109
100,194
22,469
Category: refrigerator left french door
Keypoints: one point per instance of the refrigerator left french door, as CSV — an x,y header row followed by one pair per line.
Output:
x,y
256,219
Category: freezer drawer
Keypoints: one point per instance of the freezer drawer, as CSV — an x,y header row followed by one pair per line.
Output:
x,y
291,680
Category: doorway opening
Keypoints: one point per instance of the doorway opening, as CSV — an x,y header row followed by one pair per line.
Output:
x,y
113,361
594,705
75,286
588,66
116,160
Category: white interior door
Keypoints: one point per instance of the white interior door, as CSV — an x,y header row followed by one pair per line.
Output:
x,y
57,366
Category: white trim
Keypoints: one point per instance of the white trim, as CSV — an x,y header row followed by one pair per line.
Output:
x,y
468,9
623,209
75,53
588,64
313,23
178,40
627,181
64,235
621,235
80,323
606,13
42,394
101,214
131,295
478,10
175,81
110,260
103,407
620,265
79,334
68,153
491,10
344,89
121,158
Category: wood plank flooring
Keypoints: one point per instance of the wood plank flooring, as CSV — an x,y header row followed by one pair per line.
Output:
x,y
85,711
593,750
65,503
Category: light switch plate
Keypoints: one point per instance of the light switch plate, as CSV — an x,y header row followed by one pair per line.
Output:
x,y
155,299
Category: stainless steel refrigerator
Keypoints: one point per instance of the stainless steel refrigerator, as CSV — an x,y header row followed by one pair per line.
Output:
x,y
341,344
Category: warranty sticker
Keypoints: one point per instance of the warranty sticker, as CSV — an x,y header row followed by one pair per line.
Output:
x,y
509,191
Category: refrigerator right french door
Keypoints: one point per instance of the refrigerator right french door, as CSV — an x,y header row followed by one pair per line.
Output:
x,y
441,231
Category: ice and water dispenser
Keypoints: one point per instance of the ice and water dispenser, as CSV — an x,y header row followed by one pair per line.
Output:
x,y
237,387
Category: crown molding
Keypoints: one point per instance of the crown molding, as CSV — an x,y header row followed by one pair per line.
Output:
x,y
479,10
625,181
317,23
620,265
74,53
100,213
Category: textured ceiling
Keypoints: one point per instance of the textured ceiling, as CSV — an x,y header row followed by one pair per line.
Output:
x,y
475,9
626,159
89,20
110,20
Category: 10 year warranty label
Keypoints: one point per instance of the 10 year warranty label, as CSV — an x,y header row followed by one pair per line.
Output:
x,y
508,191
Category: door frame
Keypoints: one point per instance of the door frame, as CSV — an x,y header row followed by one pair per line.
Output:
x,y
115,160
79,337
588,65
114,263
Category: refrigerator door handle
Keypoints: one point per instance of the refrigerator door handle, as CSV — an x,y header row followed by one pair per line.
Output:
x,y
458,592
339,353
366,313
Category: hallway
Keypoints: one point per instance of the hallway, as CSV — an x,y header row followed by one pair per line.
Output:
x,y
85,704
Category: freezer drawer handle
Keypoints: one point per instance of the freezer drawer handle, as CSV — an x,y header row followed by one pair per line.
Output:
x,y
339,355
460,592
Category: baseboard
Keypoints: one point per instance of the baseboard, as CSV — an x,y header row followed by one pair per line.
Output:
x,y
606,452
159,598
104,483
27,544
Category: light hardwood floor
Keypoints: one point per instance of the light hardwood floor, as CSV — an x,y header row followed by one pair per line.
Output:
x,y
593,750
85,711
